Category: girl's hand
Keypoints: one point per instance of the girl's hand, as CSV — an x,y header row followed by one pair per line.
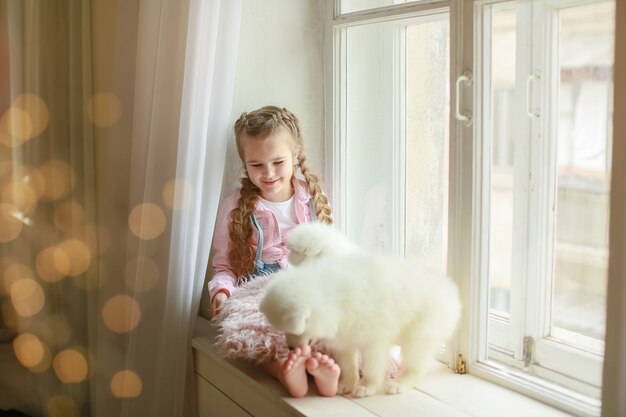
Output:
x,y
217,302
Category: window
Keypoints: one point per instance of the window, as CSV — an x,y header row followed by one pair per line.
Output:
x,y
483,149
545,114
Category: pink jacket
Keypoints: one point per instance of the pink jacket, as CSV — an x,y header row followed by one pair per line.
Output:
x,y
274,250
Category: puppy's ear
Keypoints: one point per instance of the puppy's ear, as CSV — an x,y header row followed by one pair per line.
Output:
x,y
294,319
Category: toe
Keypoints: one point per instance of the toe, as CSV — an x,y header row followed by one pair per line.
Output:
x,y
312,364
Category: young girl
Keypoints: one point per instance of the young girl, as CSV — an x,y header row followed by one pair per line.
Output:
x,y
250,234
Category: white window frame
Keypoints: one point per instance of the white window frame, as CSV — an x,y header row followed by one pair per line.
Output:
x,y
467,217
578,368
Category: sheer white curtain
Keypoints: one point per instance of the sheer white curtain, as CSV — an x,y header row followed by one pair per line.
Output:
x,y
206,127
114,123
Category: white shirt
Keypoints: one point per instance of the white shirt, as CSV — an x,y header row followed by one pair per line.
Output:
x,y
285,213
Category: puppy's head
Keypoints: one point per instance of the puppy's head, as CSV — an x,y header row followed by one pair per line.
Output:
x,y
284,311
314,240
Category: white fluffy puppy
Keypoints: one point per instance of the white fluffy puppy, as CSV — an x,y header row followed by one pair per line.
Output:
x,y
359,304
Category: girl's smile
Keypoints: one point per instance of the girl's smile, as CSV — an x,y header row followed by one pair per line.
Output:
x,y
270,163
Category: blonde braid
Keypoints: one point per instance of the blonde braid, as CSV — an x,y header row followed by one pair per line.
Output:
x,y
322,208
241,253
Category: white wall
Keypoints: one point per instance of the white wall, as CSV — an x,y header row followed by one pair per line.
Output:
x,y
281,63
614,382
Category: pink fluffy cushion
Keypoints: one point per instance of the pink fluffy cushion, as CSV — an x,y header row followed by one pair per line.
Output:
x,y
243,330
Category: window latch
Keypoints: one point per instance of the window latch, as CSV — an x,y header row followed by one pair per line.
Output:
x,y
461,367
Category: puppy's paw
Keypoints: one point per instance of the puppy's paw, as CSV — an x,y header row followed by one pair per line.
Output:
x,y
363,391
392,386
345,386
344,389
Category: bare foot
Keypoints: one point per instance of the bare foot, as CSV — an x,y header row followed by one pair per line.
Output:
x,y
293,374
325,372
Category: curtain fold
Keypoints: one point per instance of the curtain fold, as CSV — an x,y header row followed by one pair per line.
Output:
x,y
115,120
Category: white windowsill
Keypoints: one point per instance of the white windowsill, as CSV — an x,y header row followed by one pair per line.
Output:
x,y
237,388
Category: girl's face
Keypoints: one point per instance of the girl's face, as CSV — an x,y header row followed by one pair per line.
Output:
x,y
270,163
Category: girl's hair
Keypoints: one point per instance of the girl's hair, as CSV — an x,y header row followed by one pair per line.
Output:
x,y
258,125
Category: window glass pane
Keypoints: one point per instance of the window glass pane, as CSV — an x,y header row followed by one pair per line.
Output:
x,y
427,142
503,84
583,169
396,123
348,6
369,134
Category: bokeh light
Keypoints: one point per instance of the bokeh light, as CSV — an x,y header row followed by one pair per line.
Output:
x,y
10,225
36,108
141,274
104,109
20,195
69,217
79,255
6,169
14,272
126,384
121,313
30,175
29,350
13,170
27,297
177,194
146,221
70,366
52,264
16,126
5,138
62,406
59,179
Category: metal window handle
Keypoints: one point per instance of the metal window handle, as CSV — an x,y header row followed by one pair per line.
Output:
x,y
466,116
529,111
